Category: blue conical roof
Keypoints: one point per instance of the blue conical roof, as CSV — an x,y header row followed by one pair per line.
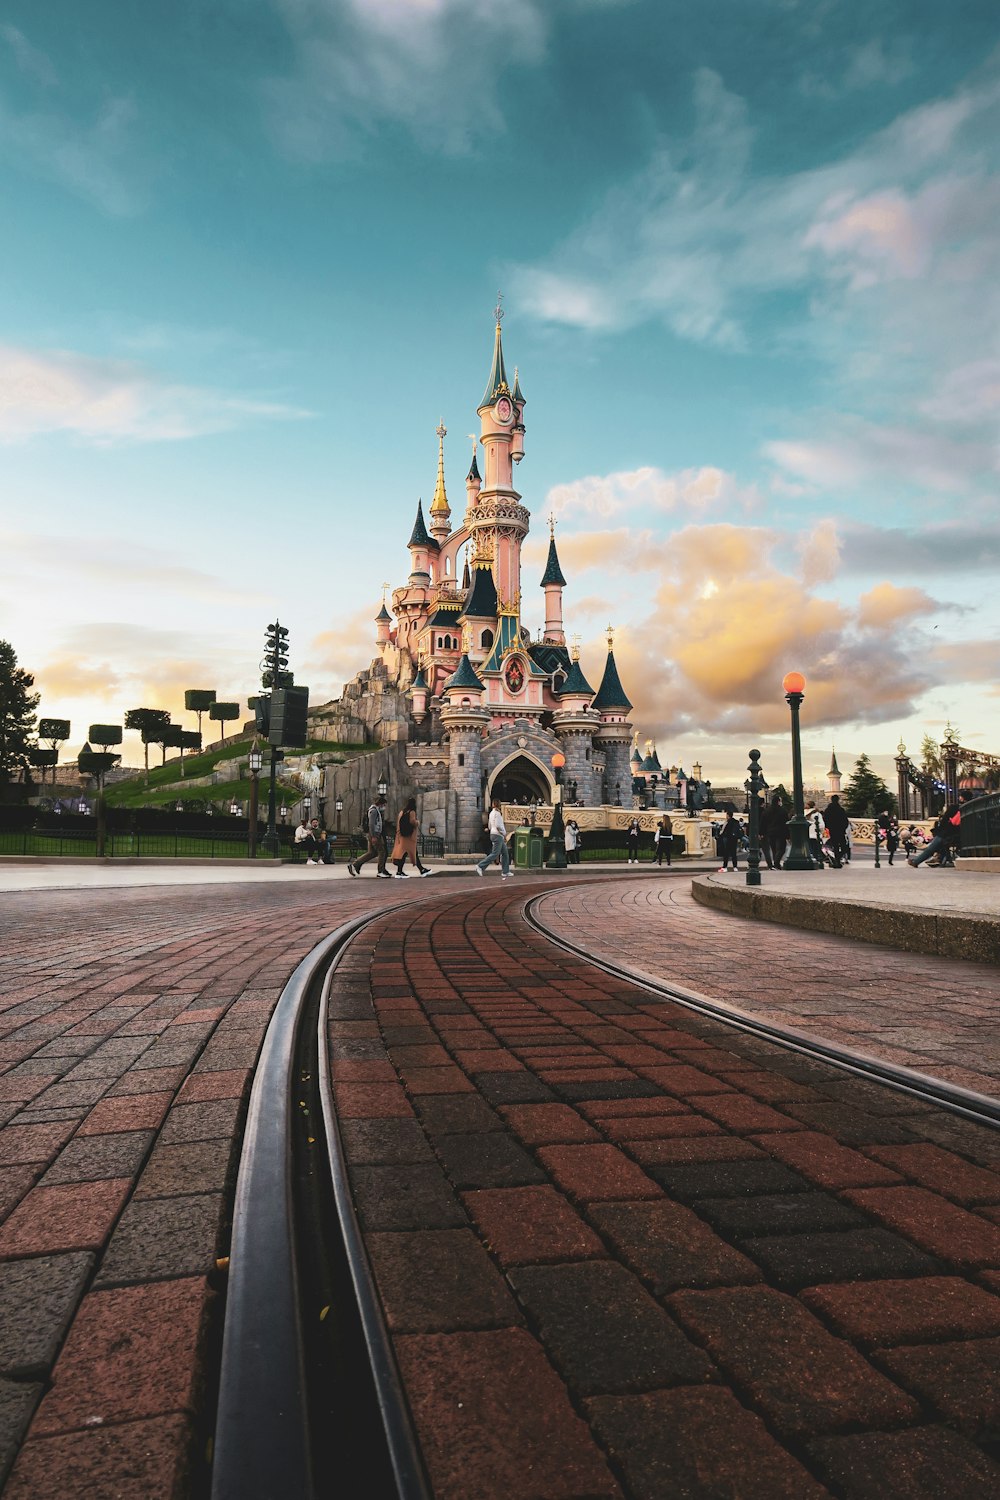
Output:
x,y
496,385
553,572
474,469
482,598
419,536
383,615
576,685
611,694
464,676
420,681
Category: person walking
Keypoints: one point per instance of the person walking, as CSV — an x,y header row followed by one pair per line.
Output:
x,y
632,841
376,828
892,837
838,823
499,852
663,836
777,830
943,834
729,841
407,829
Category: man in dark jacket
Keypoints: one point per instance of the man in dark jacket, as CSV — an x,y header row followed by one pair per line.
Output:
x,y
777,830
838,823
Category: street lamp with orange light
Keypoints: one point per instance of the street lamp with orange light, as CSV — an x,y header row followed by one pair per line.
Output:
x,y
793,686
557,833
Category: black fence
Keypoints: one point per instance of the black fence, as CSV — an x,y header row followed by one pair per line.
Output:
x,y
149,835
980,827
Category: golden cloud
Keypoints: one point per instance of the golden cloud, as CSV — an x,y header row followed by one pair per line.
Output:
x,y
885,605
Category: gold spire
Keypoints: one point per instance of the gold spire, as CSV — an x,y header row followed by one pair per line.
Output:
x,y
552,524
576,648
611,637
901,748
439,505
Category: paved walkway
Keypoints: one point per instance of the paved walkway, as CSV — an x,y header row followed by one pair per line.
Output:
x,y
622,1251
938,1015
625,1252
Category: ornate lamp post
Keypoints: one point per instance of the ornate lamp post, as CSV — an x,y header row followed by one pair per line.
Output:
x,y
799,858
339,807
383,787
557,833
753,786
256,760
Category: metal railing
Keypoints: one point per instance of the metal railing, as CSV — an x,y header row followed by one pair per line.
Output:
x,y
980,827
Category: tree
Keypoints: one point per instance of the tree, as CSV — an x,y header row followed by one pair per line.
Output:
x,y
168,738
105,735
149,722
867,793
55,731
222,712
17,714
190,739
198,700
930,756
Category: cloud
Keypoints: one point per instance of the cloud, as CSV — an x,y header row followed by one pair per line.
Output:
x,y
434,67
958,547
879,263
885,606
112,560
97,159
648,488
819,553
334,656
104,401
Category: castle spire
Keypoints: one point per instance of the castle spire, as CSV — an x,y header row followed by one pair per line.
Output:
x,y
553,583
440,509
496,385
611,696
418,536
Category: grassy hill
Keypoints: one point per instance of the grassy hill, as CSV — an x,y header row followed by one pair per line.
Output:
x,y
167,786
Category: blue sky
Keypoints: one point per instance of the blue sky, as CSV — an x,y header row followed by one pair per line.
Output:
x,y
748,252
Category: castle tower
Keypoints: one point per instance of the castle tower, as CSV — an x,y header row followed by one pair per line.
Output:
x,y
575,724
833,776
465,722
440,509
553,583
615,733
473,480
422,549
498,509
383,626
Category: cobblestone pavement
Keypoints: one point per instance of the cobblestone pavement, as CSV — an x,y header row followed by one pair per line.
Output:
x,y
934,1014
623,1251
130,1022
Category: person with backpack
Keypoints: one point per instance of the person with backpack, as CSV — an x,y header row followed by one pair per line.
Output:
x,y
407,829
374,828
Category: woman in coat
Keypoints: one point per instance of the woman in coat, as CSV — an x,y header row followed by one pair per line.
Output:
x,y
632,841
407,829
729,841
663,836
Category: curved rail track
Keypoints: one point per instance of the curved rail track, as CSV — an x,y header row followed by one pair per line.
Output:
x,y
301,1294
982,1109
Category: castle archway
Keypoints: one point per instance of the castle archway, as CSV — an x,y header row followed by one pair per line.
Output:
x,y
521,778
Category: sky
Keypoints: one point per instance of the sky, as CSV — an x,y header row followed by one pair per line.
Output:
x,y
748,250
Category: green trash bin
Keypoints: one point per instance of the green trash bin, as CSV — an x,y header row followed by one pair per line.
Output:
x,y
522,852
536,848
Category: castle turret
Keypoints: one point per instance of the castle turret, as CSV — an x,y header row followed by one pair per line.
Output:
x,y
615,733
383,626
473,480
440,509
418,695
517,431
422,549
575,723
465,722
833,775
498,509
553,583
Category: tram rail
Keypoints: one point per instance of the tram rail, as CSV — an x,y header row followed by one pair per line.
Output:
x,y
982,1109
301,1296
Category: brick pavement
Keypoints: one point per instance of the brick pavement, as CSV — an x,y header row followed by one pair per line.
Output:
x,y
130,1022
625,1252
938,1015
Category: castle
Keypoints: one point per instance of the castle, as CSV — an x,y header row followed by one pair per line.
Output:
x,y
466,704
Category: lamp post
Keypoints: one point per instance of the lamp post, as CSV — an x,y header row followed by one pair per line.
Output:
x,y
256,760
793,685
339,806
753,786
557,833
235,808
284,813
383,786
82,807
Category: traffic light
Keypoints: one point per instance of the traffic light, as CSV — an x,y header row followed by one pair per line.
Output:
x,y
289,712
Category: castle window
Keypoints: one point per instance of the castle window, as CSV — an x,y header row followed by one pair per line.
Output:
x,y
487,639
461,760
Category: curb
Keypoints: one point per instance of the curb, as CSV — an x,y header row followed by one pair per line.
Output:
x,y
910,929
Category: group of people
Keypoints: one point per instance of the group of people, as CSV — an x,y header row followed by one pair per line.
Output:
x,y
377,828
663,835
